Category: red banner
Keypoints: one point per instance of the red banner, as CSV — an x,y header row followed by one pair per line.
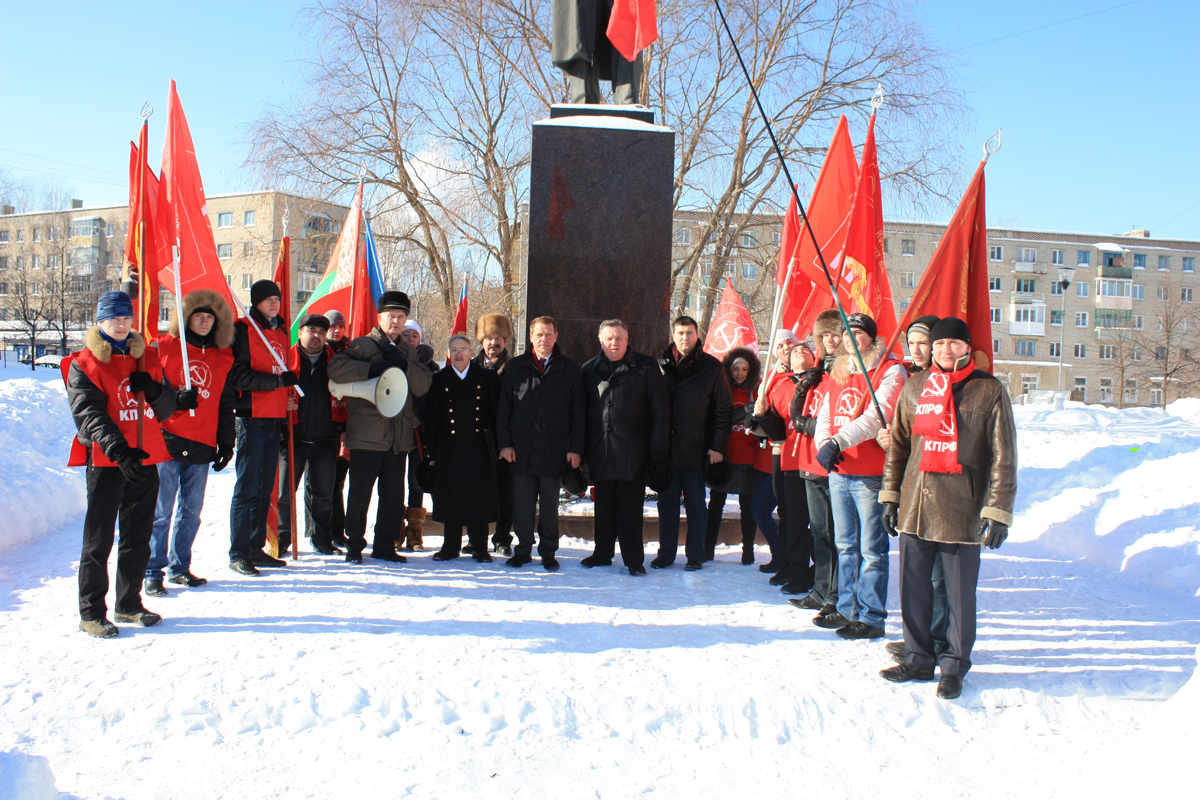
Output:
x,y
143,199
632,26
731,326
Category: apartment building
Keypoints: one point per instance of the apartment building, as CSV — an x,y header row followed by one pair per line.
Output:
x,y
61,260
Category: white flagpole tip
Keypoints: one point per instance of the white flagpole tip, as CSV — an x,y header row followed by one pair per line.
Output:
x,y
878,98
147,110
992,145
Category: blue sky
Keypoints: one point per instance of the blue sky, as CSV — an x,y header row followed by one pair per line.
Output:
x,y
1099,114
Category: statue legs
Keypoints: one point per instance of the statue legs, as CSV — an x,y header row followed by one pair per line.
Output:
x,y
583,80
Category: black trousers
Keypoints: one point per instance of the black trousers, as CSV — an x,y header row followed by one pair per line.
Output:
x,y
795,539
618,518
317,461
536,494
367,467
452,539
111,496
504,498
960,562
337,513
824,552
716,504
778,553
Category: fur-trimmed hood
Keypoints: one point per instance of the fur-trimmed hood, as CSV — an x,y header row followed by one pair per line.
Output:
x,y
847,365
102,350
222,331
751,359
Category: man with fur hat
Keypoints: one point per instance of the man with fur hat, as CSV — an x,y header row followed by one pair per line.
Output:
x,y
262,385
379,446
948,489
196,439
494,332
847,449
105,386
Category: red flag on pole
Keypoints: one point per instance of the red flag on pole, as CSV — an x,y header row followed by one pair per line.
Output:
x,y
363,316
283,278
632,26
143,199
862,280
183,213
731,326
460,316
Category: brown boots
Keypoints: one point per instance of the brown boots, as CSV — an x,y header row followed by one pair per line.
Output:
x,y
414,525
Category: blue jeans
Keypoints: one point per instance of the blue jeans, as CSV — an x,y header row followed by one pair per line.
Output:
x,y
862,547
689,483
257,459
764,506
173,550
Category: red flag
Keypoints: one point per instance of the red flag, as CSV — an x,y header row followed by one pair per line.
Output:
x,y
143,198
632,26
273,516
829,214
460,316
363,316
183,213
955,283
862,280
731,326
283,278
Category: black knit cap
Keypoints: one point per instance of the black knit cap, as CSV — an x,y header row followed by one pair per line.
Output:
x,y
922,324
950,328
394,301
261,290
314,321
863,323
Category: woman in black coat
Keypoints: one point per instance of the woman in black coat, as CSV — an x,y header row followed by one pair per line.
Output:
x,y
459,429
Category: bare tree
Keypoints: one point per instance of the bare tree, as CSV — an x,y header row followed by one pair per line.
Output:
x,y
1119,362
1168,342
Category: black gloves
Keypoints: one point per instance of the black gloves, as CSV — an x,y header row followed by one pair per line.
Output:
x,y
891,518
288,378
810,378
144,382
187,399
394,357
992,534
224,453
129,460
829,455
378,368
805,425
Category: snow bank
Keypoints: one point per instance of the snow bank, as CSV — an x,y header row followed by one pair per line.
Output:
x,y
38,492
24,777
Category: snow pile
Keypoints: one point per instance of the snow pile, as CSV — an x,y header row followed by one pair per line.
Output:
x,y
24,777
1180,418
38,492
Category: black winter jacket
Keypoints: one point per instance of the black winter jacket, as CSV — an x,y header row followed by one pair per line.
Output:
x,y
244,378
701,406
314,414
541,416
628,416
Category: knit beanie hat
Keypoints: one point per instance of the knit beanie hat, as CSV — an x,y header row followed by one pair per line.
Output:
x,y
263,289
113,304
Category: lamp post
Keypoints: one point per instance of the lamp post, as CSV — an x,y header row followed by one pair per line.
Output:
x,y
1065,274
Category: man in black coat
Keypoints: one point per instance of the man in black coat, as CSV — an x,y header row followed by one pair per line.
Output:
x,y
628,425
539,429
701,418
494,332
459,425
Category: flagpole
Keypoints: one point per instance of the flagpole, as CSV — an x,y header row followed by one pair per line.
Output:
x,y
291,426
800,206
775,314
147,110
187,370
362,212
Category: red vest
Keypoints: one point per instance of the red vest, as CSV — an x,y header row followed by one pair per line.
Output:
x,y
209,367
272,404
780,398
868,457
113,379
806,451
742,445
763,458
338,406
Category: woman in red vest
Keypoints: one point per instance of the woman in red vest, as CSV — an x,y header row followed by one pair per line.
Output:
x,y
103,386
195,439
744,369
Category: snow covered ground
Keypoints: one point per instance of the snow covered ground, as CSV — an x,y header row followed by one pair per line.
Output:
x,y
458,679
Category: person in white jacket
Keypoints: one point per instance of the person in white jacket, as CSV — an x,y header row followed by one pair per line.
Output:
x,y
846,427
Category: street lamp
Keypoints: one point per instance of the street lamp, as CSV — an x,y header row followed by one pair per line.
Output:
x,y
1065,274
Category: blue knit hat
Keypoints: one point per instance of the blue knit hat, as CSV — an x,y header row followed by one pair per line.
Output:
x,y
113,304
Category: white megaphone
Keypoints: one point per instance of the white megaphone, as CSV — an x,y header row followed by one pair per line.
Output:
x,y
388,392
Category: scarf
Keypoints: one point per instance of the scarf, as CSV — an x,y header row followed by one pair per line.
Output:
x,y
936,421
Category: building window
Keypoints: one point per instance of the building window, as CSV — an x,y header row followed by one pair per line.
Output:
x,y
54,261
1156,397
1081,289
1083,258
1137,321
908,247
996,318
1189,262
1056,289
1185,294
109,230
1131,391
248,219
1027,254
4,290
3,262
225,219
1056,316
1026,285
3,237
1106,390
1027,313
1081,387
885,246
749,239
1081,319
683,236
1135,354
1081,351
247,249
37,234
35,262
20,234
1139,292
247,281
108,258
996,253
749,270
1113,287
1058,257
1026,347
1139,260
164,315
995,284
1028,383
224,251
1162,293
995,347
907,280
1055,350
1164,263
1108,352
775,238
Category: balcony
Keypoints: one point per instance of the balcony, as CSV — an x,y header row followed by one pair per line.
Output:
x,y
1034,267
1122,273
1027,328
1027,297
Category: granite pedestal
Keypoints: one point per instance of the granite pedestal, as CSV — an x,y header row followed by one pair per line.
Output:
x,y
600,212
